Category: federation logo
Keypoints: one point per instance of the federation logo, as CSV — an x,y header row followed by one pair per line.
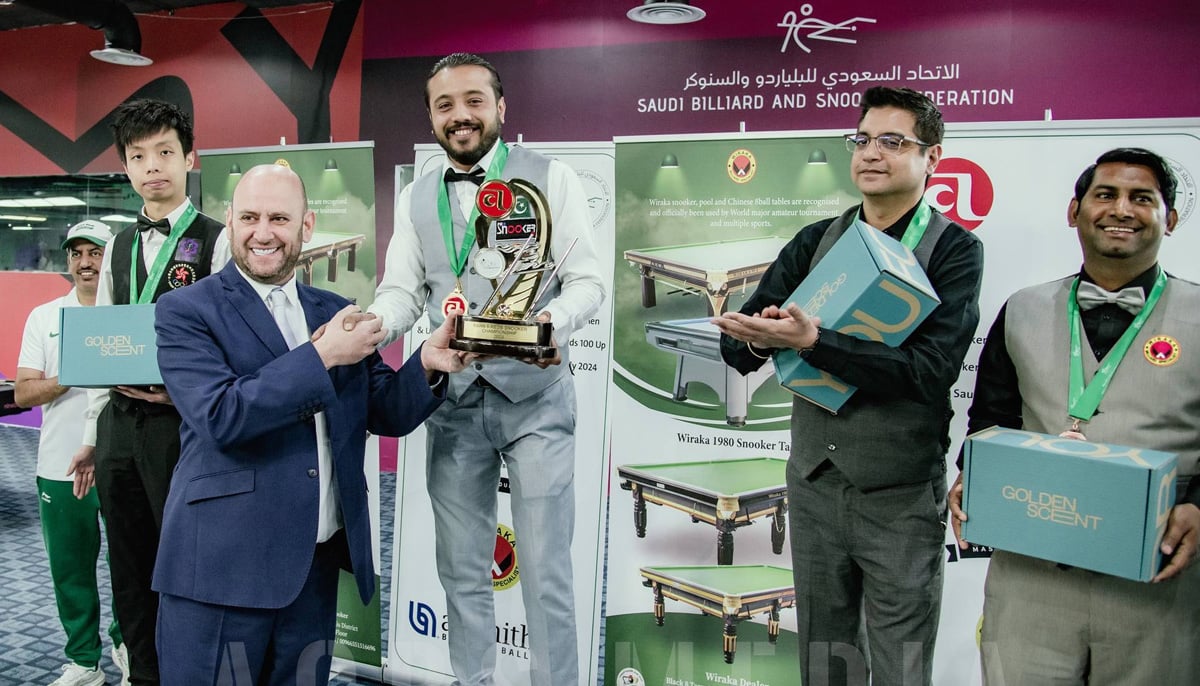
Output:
x,y
1185,191
180,275
505,574
455,300
630,677
1161,351
961,190
599,195
741,165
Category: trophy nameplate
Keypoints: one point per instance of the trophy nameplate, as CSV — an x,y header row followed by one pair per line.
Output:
x,y
513,234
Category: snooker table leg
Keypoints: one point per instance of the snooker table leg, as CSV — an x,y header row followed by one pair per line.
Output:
x,y
730,636
725,542
639,512
648,299
659,609
773,624
779,527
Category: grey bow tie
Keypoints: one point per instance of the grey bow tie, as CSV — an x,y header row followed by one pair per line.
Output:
x,y
1091,296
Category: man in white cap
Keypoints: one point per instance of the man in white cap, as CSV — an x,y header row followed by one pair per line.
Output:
x,y
70,521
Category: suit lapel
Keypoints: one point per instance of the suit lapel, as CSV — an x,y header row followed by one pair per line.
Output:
x,y
252,310
316,312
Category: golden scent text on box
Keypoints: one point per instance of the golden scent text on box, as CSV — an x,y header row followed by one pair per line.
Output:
x,y
115,346
1052,507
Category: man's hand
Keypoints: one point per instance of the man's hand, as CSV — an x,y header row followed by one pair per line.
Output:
x,y
83,466
436,353
771,328
151,394
957,514
542,363
348,338
348,324
1183,529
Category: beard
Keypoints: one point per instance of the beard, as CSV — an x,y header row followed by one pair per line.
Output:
x,y
488,135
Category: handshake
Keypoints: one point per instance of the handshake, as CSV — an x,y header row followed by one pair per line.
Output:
x,y
352,335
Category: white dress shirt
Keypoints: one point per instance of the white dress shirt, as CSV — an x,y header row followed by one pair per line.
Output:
x,y
329,511
401,296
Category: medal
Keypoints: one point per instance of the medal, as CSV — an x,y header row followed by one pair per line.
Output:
x,y
456,300
1073,431
489,263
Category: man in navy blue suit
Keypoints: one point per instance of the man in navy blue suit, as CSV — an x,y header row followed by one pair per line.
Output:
x,y
269,500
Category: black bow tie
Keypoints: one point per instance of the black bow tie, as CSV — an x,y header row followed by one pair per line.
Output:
x,y
162,225
475,176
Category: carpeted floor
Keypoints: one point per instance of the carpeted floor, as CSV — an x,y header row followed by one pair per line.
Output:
x,y
31,637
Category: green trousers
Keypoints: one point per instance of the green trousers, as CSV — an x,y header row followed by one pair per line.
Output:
x,y
71,531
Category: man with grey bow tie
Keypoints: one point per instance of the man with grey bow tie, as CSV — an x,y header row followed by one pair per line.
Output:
x,y
1047,623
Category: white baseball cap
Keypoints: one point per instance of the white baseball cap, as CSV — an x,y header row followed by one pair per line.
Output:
x,y
89,230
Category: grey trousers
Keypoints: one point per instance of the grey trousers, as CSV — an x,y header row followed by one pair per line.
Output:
x,y
467,440
868,574
1045,625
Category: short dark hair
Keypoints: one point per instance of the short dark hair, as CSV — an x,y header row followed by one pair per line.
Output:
x,y
1140,157
929,127
138,119
464,59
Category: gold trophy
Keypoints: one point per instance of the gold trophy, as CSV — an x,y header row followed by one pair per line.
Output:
x,y
513,234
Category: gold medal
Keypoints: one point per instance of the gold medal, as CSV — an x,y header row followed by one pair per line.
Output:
x,y
456,300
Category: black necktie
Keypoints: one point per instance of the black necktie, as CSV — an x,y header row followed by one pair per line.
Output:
x,y
475,176
162,225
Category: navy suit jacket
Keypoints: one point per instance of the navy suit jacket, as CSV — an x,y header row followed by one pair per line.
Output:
x,y
240,523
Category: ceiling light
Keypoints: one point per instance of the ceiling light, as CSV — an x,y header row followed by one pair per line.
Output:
x,y
117,218
21,217
670,161
121,56
665,12
817,157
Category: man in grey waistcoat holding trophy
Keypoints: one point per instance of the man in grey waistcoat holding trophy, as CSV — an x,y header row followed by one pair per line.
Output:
x,y
489,233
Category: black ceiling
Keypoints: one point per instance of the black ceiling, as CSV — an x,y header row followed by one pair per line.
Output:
x,y
21,14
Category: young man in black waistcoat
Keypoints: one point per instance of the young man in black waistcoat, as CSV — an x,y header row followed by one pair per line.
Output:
x,y
131,436
866,506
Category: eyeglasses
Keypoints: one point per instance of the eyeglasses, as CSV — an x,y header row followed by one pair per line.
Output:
x,y
890,143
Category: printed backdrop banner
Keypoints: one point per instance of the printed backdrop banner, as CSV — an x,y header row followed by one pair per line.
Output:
x,y
340,182
696,583
418,630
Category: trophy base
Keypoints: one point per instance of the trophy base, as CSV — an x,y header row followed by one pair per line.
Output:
x,y
504,337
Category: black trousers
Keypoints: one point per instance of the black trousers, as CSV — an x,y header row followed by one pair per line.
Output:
x,y
137,446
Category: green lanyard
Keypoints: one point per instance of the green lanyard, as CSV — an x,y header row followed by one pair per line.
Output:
x,y
1082,402
160,261
916,227
458,259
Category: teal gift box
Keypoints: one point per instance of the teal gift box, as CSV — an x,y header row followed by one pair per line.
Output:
x,y
1093,505
108,345
868,285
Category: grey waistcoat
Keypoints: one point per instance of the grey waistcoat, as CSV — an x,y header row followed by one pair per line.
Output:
x,y
875,442
516,380
1146,405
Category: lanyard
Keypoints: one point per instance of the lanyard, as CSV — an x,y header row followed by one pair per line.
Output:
x,y
916,227
1083,401
160,261
458,258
